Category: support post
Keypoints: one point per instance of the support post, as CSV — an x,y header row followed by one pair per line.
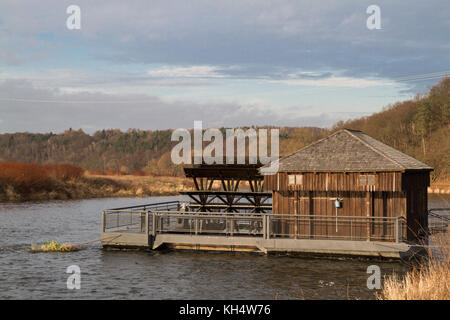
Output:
x,y
396,229
154,224
146,223
369,213
351,229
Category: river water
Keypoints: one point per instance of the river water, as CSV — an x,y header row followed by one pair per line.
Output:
x,y
159,275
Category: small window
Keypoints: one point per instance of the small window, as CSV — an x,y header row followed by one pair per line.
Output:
x,y
362,180
291,179
367,180
295,179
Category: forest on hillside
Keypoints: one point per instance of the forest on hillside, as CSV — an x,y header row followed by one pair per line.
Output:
x,y
419,127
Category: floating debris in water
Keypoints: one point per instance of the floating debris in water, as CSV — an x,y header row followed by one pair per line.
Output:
x,y
54,246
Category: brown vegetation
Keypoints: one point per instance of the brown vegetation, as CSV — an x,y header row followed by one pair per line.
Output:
x,y
147,185
107,172
28,178
31,181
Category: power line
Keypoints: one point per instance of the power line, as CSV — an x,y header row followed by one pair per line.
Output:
x,y
410,78
424,76
76,101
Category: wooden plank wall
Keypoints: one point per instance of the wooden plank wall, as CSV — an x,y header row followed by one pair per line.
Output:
x,y
393,194
415,184
326,181
354,203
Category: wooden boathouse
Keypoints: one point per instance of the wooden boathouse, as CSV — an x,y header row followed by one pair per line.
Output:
x,y
347,194
350,174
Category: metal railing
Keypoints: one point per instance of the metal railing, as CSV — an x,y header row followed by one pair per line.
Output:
x,y
208,223
271,226
438,222
167,205
174,217
338,228
132,221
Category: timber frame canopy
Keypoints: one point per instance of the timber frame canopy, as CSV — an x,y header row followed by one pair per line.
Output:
x,y
228,188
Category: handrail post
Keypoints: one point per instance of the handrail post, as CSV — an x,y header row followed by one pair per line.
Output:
x,y
264,226
154,222
146,223
196,226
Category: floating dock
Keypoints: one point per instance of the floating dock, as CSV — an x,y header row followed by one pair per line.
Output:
x,y
235,208
172,225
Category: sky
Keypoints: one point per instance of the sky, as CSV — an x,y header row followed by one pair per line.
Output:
x,y
165,64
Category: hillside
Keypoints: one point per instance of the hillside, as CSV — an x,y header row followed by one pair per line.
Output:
x,y
418,127
115,150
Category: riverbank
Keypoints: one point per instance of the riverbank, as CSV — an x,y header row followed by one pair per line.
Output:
x,y
100,186
442,187
93,186
31,182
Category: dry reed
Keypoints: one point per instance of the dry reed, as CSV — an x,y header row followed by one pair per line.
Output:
x,y
429,281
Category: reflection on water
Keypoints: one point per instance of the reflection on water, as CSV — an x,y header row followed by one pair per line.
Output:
x,y
158,275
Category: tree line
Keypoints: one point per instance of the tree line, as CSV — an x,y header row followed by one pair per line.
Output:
x,y
419,127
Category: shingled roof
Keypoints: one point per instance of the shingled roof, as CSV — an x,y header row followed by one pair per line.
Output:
x,y
350,151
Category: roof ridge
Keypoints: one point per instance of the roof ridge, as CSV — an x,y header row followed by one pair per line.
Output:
x,y
374,148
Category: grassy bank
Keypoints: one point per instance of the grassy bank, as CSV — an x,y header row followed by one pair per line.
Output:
x,y
25,182
431,281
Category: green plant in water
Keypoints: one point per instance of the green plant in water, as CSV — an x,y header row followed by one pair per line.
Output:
x,y
54,246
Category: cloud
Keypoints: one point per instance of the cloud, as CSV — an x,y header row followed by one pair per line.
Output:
x,y
334,82
44,110
301,78
305,35
186,72
130,58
